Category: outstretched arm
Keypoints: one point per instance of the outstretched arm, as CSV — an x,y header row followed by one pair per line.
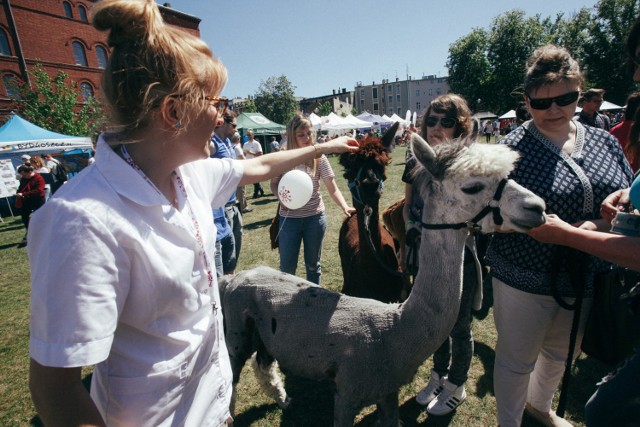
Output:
x,y
619,249
60,398
337,197
264,167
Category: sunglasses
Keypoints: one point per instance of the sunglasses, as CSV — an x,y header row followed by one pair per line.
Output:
x,y
561,101
445,122
219,103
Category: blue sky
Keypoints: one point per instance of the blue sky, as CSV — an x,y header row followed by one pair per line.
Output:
x,y
330,44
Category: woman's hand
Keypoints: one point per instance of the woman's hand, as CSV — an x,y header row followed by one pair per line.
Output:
x,y
552,231
348,210
338,145
614,203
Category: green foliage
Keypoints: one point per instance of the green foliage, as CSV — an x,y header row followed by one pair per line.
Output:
x,y
324,109
52,103
249,106
275,99
490,64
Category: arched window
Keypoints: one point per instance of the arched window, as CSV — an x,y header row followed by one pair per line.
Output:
x,y
68,12
86,90
5,49
83,13
79,54
11,86
101,53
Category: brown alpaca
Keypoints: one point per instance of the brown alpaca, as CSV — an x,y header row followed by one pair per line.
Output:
x,y
367,251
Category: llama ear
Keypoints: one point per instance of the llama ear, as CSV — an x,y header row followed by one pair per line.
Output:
x,y
387,138
423,152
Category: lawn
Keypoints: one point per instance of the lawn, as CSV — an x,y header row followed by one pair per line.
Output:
x,y
313,402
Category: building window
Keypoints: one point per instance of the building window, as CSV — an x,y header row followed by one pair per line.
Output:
x,y
5,49
11,86
398,110
418,92
438,91
79,54
67,10
362,103
398,97
430,92
417,106
86,90
389,88
83,13
101,53
398,87
390,99
362,93
375,107
374,92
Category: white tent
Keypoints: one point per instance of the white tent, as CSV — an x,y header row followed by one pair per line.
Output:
x,y
606,105
511,114
357,123
397,118
335,122
316,121
387,120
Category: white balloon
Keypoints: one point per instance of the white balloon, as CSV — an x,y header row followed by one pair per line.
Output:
x,y
294,189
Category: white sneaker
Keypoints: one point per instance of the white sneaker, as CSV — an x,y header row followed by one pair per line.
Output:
x,y
449,399
432,390
549,419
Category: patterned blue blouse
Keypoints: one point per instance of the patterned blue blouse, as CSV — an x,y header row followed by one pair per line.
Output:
x,y
573,187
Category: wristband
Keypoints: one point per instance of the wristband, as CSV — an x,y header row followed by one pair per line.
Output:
x,y
318,153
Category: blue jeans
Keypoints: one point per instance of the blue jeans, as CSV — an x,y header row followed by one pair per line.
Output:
x,y
311,231
234,218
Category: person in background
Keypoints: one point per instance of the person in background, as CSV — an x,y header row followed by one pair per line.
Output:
x,y
44,172
122,270
487,130
53,166
31,191
628,132
307,224
252,149
562,161
447,118
591,101
241,193
25,159
274,145
222,148
224,240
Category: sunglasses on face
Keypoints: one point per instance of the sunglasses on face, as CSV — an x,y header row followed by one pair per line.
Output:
x,y
445,122
561,101
219,103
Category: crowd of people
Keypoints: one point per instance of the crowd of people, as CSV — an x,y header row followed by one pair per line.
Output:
x,y
158,218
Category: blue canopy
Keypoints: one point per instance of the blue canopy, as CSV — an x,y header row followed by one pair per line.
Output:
x,y
21,136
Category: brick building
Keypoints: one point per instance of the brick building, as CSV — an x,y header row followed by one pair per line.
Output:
x,y
58,35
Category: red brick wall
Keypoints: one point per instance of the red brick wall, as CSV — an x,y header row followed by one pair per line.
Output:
x,y
46,35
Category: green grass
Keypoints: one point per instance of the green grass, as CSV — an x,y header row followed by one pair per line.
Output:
x,y
313,401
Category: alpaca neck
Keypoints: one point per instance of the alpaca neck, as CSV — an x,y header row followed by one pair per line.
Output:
x,y
434,302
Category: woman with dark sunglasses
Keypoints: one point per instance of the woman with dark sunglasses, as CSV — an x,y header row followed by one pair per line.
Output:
x,y
573,167
447,118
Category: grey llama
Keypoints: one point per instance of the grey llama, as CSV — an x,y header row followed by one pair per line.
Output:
x,y
367,348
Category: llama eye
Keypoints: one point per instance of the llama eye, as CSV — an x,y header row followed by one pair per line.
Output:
x,y
475,188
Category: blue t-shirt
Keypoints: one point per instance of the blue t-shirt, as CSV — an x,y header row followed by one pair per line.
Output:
x,y
224,150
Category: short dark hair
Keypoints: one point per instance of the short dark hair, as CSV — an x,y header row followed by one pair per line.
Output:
x,y
590,93
25,168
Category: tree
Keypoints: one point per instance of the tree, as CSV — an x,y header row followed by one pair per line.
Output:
x,y
249,106
324,109
53,104
469,67
605,56
275,99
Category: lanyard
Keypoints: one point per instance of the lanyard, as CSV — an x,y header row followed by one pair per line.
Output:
x,y
196,226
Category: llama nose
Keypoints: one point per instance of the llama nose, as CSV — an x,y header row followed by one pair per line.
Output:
x,y
535,208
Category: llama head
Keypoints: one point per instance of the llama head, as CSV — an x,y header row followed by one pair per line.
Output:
x,y
459,180
365,170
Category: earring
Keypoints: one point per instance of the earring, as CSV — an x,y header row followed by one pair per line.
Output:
x,y
178,125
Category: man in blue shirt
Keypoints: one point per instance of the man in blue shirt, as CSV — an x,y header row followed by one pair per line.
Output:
x,y
221,147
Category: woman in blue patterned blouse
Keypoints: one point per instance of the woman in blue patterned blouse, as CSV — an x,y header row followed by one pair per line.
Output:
x,y
573,167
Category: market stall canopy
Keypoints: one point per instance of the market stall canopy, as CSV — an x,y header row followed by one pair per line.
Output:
x,y
511,114
397,118
259,123
371,118
335,122
606,105
481,115
315,120
18,135
357,123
